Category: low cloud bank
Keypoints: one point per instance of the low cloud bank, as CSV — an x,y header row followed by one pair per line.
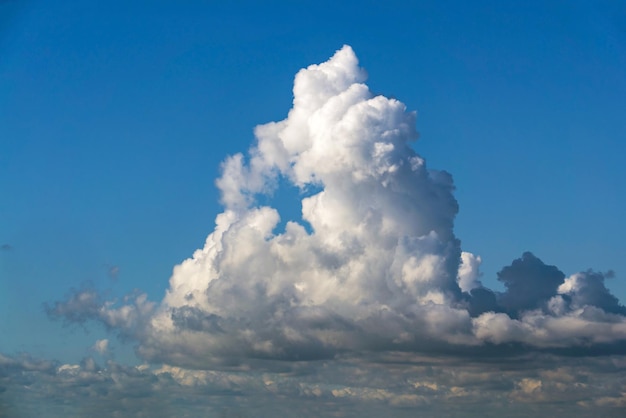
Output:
x,y
404,386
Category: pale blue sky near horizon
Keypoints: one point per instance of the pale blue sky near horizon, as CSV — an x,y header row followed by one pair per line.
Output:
x,y
114,118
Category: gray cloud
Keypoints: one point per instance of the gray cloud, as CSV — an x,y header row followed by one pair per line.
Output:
x,y
79,306
529,284
587,288
126,317
402,385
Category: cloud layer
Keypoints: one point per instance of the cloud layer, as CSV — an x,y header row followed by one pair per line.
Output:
x,y
373,265
401,386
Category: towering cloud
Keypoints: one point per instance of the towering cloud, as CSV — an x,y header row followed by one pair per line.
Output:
x,y
373,265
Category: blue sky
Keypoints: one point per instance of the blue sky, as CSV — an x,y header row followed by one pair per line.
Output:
x,y
115,119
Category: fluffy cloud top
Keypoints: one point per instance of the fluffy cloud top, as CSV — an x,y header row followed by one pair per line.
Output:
x,y
374,265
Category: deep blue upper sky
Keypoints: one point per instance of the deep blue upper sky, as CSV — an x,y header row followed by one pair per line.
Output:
x,y
114,119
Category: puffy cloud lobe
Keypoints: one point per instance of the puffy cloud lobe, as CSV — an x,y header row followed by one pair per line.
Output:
x,y
587,288
542,308
469,272
529,284
378,268
101,346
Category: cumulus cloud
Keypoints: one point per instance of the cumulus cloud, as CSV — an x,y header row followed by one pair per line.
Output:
x,y
587,288
101,346
372,266
127,316
529,284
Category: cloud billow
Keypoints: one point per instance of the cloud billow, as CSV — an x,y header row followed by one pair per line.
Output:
x,y
374,265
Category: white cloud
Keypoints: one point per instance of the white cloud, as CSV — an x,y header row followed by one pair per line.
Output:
x,y
469,271
374,265
101,346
